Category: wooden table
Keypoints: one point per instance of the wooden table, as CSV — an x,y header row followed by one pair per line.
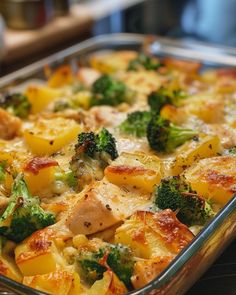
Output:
x,y
21,44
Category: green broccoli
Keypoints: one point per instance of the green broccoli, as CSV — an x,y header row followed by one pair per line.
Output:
x,y
163,136
23,214
117,257
3,165
231,151
174,193
61,105
107,90
136,123
67,177
161,97
93,153
143,61
16,104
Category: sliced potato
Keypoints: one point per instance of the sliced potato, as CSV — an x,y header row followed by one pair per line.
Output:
x,y
60,282
174,114
39,173
108,285
207,107
46,137
41,96
143,81
152,235
62,76
38,254
214,178
138,169
111,62
205,146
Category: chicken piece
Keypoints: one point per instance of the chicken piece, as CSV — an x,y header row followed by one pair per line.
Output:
x,y
104,116
102,205
147,269
9,125
88,76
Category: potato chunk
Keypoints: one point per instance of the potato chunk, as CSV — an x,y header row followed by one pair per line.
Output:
x,y
152,235
214,178
138,169
46,137
62,76
143,82
205,146
60,282
39,173
40,97
111,62
38,254
108,285
208,108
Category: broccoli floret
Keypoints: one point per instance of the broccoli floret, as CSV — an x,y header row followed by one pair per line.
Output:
x,y
3,166
16,104
136,123
143,61
62,105
93,153
107,90
117,257
163,136
105,144
161,97
174,193
23,215
67,177
231,151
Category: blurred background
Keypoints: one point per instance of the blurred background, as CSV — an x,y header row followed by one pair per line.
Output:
x,y
32,29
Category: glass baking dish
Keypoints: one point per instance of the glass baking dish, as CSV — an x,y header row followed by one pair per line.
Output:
x,y
191,263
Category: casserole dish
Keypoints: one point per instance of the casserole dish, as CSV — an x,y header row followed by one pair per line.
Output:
x,y
210,242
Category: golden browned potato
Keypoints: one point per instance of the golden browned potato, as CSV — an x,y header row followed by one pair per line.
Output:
x,y
38,254
152,235
135,169
62,76
46,137
60,282
111,62
40,96
205,146
214,178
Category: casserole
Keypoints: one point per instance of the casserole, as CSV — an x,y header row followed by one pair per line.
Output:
x,y
205,247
